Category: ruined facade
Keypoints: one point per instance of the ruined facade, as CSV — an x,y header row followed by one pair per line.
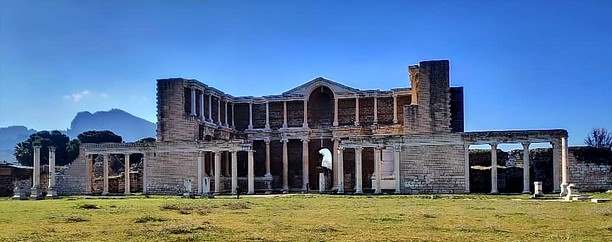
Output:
x,y
403,140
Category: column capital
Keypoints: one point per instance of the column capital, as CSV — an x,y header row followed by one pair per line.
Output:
x,y
493,145
266,140
51,148
284,140
525,144
358,148
36,146
397,147
305,139
127,153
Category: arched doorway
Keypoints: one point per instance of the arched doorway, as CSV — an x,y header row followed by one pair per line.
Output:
x,y
321,107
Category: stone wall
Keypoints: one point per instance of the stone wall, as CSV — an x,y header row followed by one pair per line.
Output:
x,y
589,175
433,163
166,172
172,122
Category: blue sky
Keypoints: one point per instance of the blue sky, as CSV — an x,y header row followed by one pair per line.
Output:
x,y
524,65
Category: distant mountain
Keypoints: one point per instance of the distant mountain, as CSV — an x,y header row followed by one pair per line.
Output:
x,y
9,137
128,126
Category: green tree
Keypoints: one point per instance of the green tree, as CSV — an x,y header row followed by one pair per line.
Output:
x,y
65,150
148,140
97,137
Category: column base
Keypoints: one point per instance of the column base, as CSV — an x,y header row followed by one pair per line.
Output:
x,y
285,190
51,193
526,192
104,193
35,193
397,192
494,192
250,193
563,189
340,192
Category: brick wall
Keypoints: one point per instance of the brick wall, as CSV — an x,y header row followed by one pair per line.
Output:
x,y
588,175
433,164
172,122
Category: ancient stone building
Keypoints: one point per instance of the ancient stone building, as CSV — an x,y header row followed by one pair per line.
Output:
x,y
403,140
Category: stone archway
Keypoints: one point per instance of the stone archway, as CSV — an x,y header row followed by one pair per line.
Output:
x,y
321,107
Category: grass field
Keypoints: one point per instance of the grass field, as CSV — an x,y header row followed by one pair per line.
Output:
x,y
306,217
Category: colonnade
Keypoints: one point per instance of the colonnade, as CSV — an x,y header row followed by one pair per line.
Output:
x,y
359,168
106,158
36,190
559,151
208,118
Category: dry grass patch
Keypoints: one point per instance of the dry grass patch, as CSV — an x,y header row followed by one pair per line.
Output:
x,y
88,206
149,218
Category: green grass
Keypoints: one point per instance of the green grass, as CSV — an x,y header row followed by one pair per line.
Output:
x,y
291,218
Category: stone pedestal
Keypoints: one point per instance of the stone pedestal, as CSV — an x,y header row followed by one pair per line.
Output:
x,y
537,189
268,178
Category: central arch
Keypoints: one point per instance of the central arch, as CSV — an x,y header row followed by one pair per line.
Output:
x,y
321,107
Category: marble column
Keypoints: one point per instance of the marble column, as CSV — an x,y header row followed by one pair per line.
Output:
x,y
395,109
217,158
51,190
284,114
202,116
36,189
234,172
356,111
105,173
396,168
305,165
336,111
210,108
340,154
377,169
285,166
358,187
267,126
494,168
375,110
200,175
564,167
268,174
526,166
334,152
227,171
250,116
251,173
556,150
466,167
126,174
193,102
305,124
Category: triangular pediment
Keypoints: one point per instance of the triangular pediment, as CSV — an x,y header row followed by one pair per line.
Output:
x,y
305,88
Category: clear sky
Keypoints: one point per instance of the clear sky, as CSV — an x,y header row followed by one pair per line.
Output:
x,y
524,65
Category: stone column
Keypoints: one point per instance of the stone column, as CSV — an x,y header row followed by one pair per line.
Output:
x,y
377,168
267,115
284,114
51,191
210,108
193,102
494,168
336,111
356,111
202,106
217,159
219,111
340,153
251,173
105,172
200,176
285,166
233,117
396,168
556,149
234,171
305,124
375,110
250,116
268,174
226,123
526,167
395,109
335,163
126,174
466,167
358,187
305,166
36,191
564,167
